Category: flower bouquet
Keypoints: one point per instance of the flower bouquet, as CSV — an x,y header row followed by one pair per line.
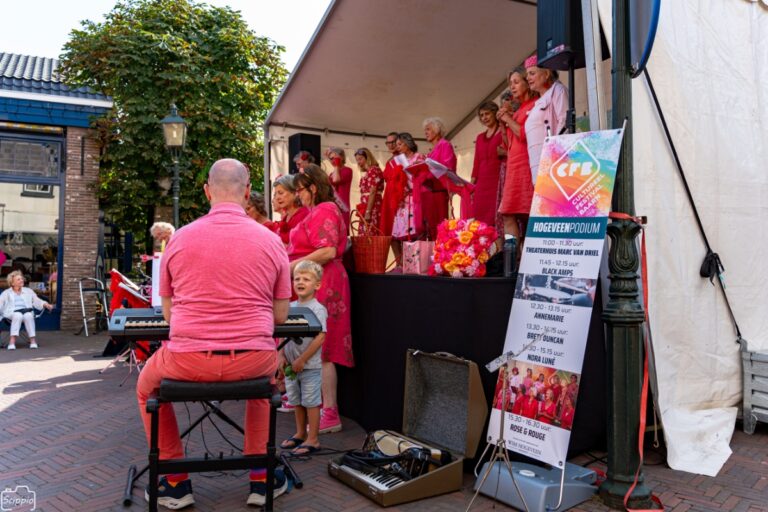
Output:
x,y
461,248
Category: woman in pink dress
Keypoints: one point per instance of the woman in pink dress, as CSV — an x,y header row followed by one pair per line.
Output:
x,y
371,188
486,167
321,238
528,380
518,186
530,406
288,205
341,176
434,200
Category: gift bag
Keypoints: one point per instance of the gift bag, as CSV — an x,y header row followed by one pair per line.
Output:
x,y
417,256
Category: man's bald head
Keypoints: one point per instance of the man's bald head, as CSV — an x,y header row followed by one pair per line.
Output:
x,y
228,180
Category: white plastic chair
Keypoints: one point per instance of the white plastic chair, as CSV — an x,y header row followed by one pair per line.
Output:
x,y
5,323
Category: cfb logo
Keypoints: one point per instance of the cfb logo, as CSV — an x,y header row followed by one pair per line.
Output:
x,y
580,168
574,170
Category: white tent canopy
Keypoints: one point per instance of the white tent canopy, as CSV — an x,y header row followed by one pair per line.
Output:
x,y
373,67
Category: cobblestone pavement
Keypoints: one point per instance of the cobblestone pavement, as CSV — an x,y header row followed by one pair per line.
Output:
x,y
70,433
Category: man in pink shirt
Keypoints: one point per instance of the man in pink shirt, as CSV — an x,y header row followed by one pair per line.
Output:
x,y
224,284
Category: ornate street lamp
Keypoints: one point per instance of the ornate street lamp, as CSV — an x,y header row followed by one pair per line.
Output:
x,y
624,314
175,133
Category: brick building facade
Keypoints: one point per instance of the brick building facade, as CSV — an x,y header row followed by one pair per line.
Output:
x,y
81,222
49,165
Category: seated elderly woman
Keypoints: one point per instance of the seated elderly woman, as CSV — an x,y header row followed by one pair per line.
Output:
x,y
17,304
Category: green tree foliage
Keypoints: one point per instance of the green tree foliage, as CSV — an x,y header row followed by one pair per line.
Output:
x,y
150,53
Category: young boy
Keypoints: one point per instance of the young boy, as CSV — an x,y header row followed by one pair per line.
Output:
x,y
303,388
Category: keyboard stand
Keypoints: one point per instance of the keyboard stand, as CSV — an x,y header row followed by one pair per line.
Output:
x,y
210,407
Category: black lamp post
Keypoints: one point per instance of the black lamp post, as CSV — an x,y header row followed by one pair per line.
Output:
x,y
175,133
624,313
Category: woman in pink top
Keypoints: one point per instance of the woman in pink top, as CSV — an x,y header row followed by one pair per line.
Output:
x,y
341,176
528,380
487,165
518,186
435,200
547,114
442,150
321,237
371,188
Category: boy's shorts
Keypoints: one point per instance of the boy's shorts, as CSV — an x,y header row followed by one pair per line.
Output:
x,y
304,390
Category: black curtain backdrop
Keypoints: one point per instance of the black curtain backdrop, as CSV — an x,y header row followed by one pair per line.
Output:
x,y
465,317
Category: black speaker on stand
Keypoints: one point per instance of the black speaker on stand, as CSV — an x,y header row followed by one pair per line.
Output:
x,y
303,142
560,44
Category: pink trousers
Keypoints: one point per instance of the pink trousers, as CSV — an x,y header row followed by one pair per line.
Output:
x,y
206,367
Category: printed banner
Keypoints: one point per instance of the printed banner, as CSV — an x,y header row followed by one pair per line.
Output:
x,y
554,294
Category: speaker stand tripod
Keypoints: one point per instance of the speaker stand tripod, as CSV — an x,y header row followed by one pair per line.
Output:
x,y
499,452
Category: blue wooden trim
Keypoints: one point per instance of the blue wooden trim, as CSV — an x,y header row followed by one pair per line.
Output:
x,y
44,112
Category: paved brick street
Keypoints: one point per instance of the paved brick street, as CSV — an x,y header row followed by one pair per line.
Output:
x,y
69,434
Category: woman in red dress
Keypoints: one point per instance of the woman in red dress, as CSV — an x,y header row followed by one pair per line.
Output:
x,y
530,406
341,176
548,410
321,237
517,407
566,412
518,187
289,207
487,165
371,186
555,386
256,209
573,388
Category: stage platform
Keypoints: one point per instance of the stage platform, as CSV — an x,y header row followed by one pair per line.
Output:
x,y
465,317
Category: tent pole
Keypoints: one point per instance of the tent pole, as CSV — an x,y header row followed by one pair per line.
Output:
x,y
624,313
267,176
594,56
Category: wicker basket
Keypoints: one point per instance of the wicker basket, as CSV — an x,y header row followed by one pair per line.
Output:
x,y
370,251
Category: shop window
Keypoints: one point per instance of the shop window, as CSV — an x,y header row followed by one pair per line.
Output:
x,y
29,235
37,190
29,157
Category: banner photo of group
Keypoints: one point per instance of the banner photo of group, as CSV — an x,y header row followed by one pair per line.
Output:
x,y
554,294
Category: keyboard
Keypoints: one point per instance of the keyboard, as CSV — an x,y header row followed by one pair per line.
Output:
x,y
148,324
380,481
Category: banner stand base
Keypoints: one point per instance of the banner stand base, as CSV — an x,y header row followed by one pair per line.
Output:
x,y
540,486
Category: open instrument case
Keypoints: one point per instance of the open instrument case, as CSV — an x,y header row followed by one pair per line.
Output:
x,y
444,409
